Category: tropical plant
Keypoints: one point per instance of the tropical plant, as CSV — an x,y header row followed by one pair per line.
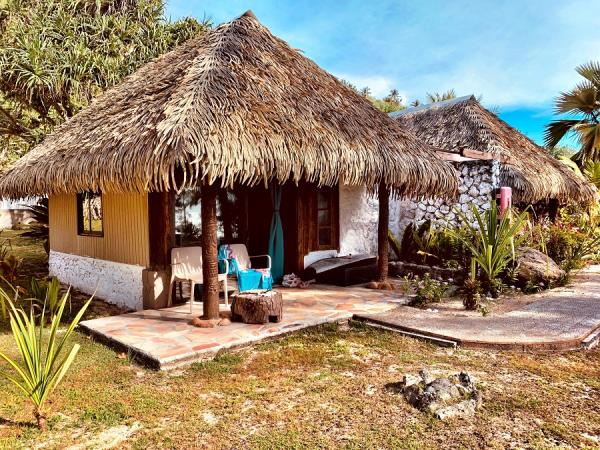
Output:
x,y
436,97
582,104
428,290
426,238
46,294
44,356
56,56
39,228
471,289
491,239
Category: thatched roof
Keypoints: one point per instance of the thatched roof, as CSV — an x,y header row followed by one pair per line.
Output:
x,y
463,124
235,104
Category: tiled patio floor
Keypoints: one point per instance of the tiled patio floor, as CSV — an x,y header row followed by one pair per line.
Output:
x,y
163,338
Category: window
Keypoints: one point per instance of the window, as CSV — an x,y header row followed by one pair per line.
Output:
x,y
89,214
231,216
326,219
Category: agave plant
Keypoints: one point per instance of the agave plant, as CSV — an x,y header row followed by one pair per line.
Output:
x,y
45,358
492,240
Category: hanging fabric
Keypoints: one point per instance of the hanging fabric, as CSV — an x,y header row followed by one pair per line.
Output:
x,y
276,235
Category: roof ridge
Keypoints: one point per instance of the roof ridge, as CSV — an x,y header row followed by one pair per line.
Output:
x,y
433,105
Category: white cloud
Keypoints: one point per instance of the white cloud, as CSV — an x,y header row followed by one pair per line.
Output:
x,y
514,54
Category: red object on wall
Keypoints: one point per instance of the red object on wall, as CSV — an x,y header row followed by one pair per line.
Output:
x,y
505,199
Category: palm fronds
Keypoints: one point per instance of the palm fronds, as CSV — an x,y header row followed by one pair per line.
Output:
x,y
583,101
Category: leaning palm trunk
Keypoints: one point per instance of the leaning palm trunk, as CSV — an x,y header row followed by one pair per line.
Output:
x,y
43,366
210,267
382,232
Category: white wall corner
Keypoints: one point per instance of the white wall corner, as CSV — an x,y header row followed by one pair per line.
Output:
x,y
359,215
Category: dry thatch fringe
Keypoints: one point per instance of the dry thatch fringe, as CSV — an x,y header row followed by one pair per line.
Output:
x,y
235,105
533,174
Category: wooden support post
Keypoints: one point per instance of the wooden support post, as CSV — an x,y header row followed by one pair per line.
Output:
x,y
553,209
161,229
210,268
156,279
382,232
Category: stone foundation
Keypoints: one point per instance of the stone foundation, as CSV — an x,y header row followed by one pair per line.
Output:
x,y
120,284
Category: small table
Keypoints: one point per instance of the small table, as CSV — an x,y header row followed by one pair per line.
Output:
x,y
256,306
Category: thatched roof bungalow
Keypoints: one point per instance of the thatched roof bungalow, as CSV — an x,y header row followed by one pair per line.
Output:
x,y
488,154
235,108
462,126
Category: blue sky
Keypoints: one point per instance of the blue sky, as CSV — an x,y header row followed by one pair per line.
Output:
x,y
517,54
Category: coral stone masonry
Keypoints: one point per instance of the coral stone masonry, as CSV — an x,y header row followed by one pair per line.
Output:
x,y
478,181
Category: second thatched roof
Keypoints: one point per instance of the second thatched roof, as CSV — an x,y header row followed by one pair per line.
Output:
x,y
234,105
463,124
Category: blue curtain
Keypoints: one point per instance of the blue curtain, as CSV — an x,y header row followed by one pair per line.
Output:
x,y
276,235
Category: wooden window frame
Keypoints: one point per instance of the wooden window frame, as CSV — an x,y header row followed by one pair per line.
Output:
x,y
80,226
334,226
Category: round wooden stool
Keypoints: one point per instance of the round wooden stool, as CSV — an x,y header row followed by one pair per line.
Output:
x,y
256,306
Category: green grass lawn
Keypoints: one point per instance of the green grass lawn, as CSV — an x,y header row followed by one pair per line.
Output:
x,y
322,388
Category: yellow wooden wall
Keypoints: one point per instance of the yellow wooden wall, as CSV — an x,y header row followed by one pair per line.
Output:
x,y
125,222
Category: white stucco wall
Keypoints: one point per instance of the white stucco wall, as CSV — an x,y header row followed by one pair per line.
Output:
x,y
120,284
359,214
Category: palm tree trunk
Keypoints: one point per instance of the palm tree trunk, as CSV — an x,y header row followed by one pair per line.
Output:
x,y
210,268
40,419
382,232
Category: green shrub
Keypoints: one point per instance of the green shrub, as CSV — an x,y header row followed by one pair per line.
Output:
x,y
428,290
571,242
433,246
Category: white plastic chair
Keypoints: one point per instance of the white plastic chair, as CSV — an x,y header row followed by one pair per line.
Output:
x,y
186,265
244,261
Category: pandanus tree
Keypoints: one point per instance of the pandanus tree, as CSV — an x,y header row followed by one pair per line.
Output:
x,y
57,55
582,105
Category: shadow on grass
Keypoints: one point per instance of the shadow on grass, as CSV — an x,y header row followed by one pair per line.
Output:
x,y
17,423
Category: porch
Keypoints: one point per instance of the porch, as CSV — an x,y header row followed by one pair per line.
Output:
x,y
164,339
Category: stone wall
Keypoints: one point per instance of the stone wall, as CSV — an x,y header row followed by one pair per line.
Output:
x,y
120,284
477,183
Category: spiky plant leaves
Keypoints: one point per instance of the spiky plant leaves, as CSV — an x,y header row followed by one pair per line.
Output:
x,y
492,238
43,362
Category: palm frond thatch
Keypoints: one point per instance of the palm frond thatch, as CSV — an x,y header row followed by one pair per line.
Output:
x,y
234,105
464,124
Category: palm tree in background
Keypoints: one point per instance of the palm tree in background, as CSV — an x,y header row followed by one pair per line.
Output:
x,y
440,97
56,56
365,92
582,102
